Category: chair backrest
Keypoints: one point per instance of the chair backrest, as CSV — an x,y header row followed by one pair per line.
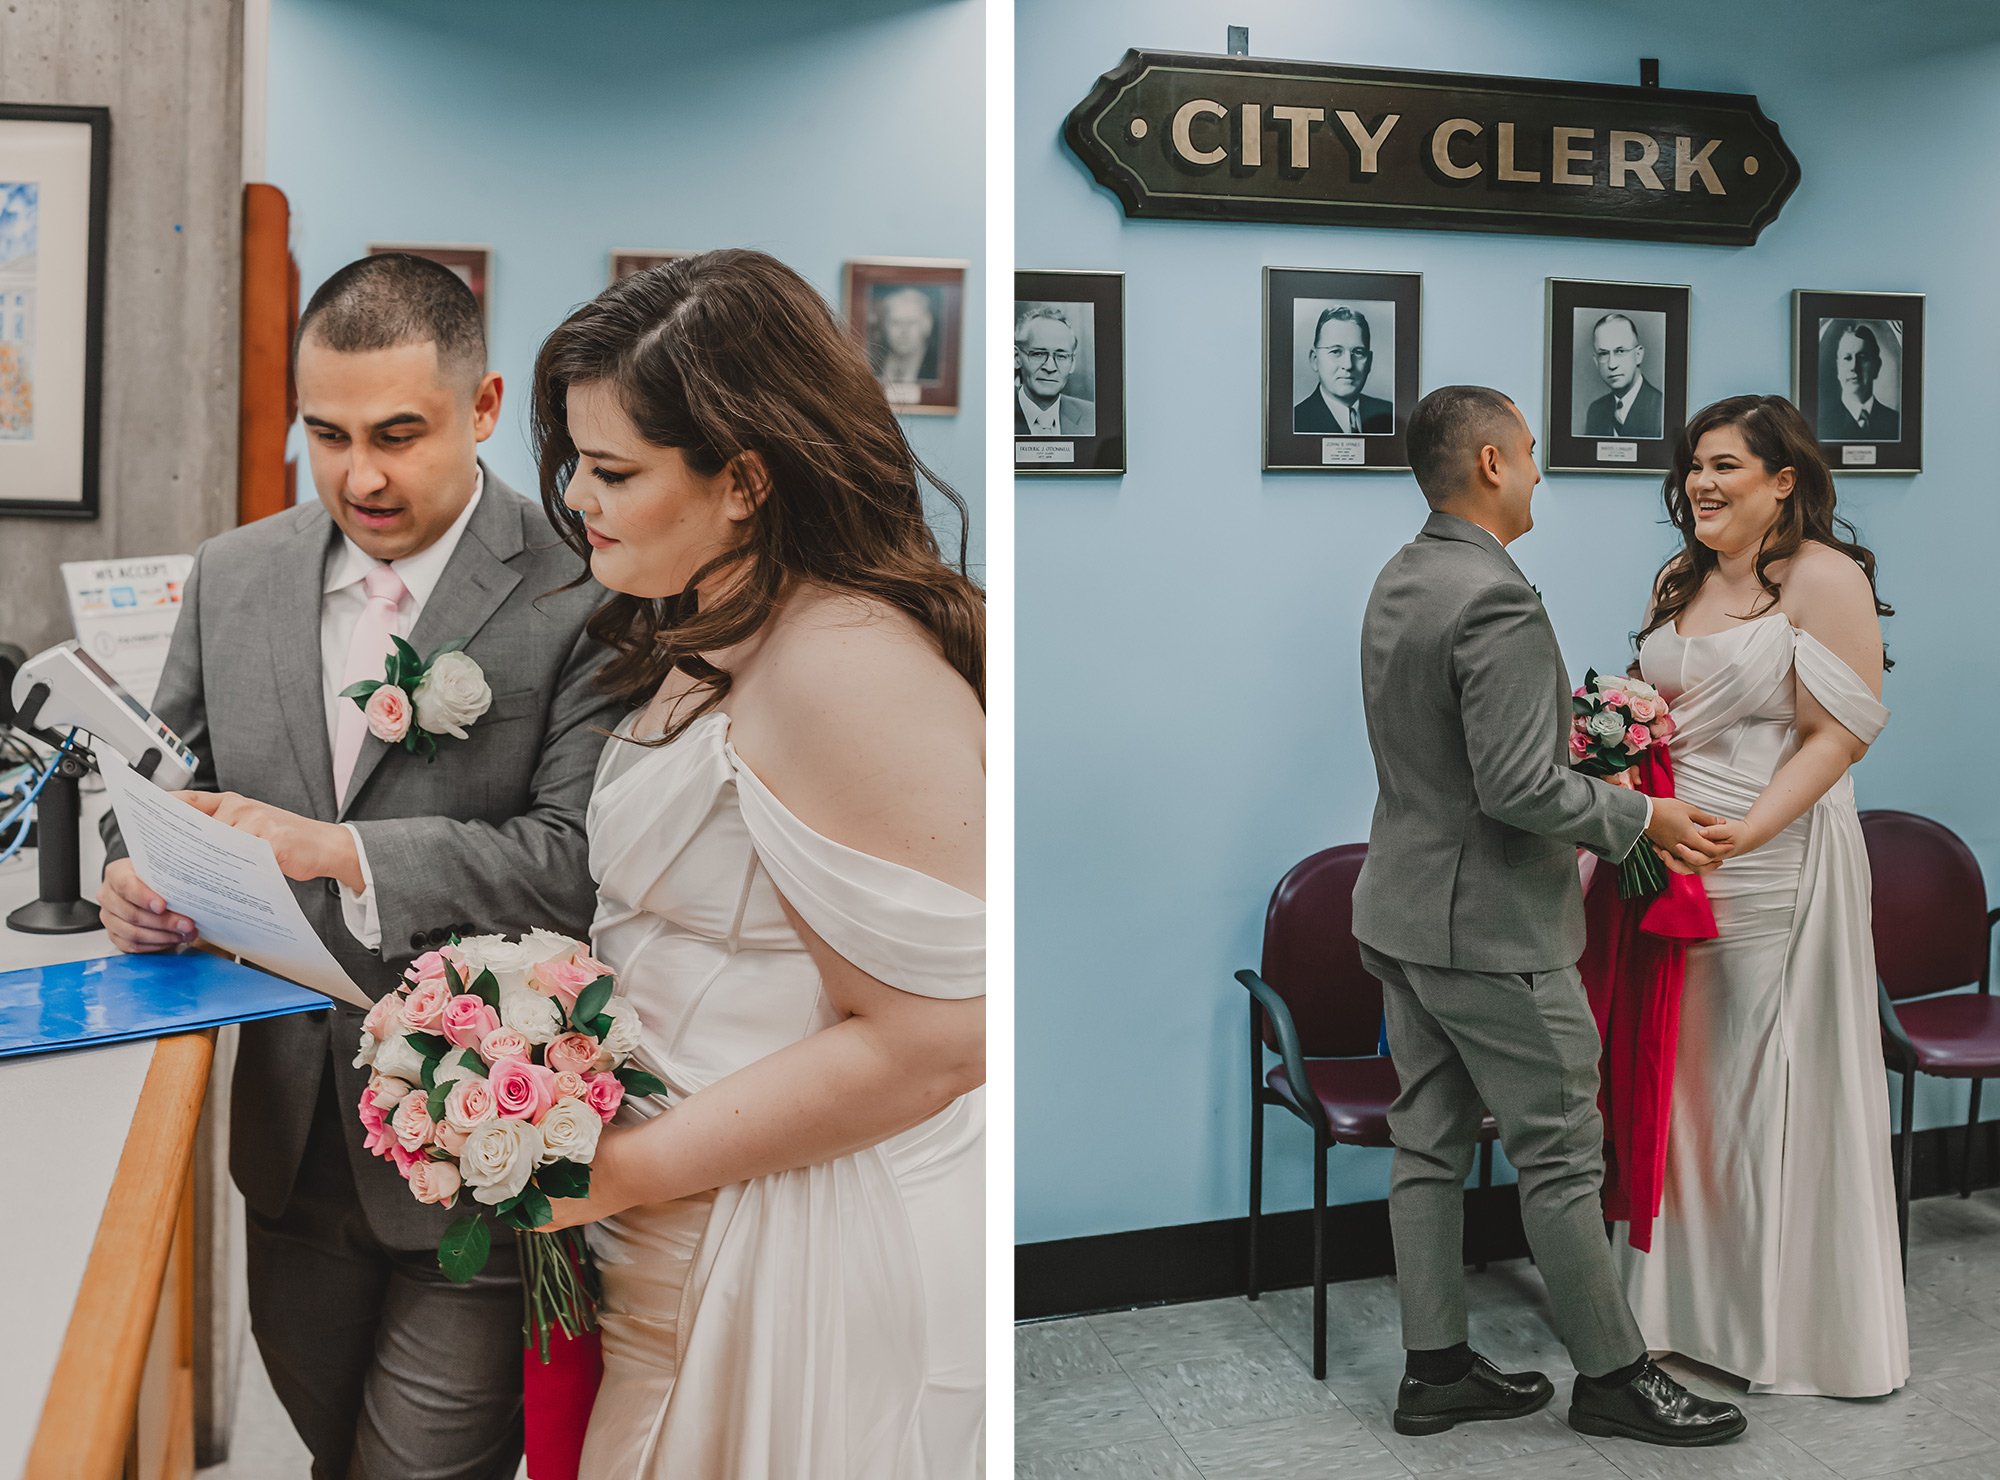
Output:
x,y
1313,961
1929,905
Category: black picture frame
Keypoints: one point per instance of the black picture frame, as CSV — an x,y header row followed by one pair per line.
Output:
x,y
1581,433
1299,434
1824,326
82,388
1091,305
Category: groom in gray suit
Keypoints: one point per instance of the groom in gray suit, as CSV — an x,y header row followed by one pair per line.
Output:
x,y
1469,912
386,1369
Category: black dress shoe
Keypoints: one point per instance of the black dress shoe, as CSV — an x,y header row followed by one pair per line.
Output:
x,y
1484,1392
1654,1409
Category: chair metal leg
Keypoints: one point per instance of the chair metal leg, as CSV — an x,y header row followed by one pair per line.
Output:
x,y
1320,1148
1256,1187
1971,1134
1904,1139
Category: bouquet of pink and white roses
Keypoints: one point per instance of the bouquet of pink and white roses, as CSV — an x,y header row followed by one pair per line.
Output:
x,y
496,1065
1616,722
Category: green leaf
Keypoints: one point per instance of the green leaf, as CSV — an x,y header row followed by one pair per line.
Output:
x,y
453,979
590,1001
472,1061
510,1204
359,692
639,1082
564,1179
412,665
463,1250
430,1075
535,1208
392,670
430,1045
599,1026
439,1094
488,988
1590,678
1580,704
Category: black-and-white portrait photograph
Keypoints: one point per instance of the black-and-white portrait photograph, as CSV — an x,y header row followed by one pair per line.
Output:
x,y
1068,372
1858,377
1617,374
1334,363
909,312
1340,372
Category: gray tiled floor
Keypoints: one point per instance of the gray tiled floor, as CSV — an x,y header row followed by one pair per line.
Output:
x,y
1223,1389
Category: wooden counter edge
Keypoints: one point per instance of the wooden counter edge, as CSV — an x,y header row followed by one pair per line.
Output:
x,y
93,1397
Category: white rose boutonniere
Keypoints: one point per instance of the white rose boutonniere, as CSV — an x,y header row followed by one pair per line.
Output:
x,y
418,700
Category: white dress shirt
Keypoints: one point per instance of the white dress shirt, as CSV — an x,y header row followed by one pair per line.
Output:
x,y
1623,405
340,608
1043,421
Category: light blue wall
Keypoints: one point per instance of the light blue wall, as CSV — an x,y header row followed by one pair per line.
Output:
x,y
553,132
1189,717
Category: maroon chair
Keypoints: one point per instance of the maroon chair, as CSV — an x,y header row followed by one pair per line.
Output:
x,y
1933,936
1317,1007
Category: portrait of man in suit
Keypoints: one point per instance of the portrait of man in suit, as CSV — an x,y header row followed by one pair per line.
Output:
x,y
1859,414
902,328
1632,406
1048,353
1341,356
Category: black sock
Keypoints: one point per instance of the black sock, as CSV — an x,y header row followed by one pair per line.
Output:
x,y
1618,1377
1440,1367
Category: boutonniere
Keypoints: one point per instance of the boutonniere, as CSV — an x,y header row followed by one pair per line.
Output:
x,y
418,701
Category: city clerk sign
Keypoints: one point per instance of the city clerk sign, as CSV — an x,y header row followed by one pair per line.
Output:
x,y
1247,139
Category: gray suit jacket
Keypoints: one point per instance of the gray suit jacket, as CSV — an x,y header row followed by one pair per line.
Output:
x,y
487,837
1470,859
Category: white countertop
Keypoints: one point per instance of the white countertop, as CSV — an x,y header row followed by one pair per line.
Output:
x,y
66,1116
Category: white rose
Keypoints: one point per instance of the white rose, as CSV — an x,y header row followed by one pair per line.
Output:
x,y
1605,727
621,1038
546,945
510,961
569,1133
389,1092
452,695
499,1157
451,1068
535,1017
395,1059
365,1056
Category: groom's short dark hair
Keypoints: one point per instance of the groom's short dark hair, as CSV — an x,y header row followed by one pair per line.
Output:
x,y
1447,430
393,299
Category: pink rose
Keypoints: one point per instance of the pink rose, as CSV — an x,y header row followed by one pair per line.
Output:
x,y
1579,745
503,1043
424,1008
467,1021
521,1090
412,1122
376,1124
381,1019
435,1182
571,1052
469,1103
571,1086
405,1160
606,1095
1645,710
1616,698
387,1091
450,1137
388,711
1637,738
427,967
564,980
1664,727
1580,693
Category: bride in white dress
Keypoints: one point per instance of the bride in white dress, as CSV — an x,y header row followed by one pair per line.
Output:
x,y
1775,1257
787,840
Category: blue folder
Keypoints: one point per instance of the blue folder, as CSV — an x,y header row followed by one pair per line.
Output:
x,y
81,1004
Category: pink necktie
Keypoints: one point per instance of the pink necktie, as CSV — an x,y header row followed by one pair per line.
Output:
x,y
367,650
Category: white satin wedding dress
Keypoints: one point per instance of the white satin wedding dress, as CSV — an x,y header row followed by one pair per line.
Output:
x,y
1775,1256
823,1323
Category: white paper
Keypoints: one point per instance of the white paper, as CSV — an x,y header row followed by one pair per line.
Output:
x,y
227,882
1343,452
124,613
1044,452
1618,452
1852,456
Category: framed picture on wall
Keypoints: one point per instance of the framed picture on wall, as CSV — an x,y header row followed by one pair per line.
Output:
x,y
1340,368
54,178
910,312
1617,390
1858,375
627,260
1069,372
474,266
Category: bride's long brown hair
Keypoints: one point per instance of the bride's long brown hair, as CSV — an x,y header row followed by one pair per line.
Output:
x,y
1778,437
731,352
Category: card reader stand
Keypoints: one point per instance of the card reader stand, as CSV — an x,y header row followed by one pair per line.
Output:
x,y
61,909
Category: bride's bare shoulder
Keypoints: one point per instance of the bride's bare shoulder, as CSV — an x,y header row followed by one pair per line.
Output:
x,y
1818,580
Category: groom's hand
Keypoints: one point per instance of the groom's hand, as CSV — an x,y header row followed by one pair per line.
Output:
x,y
306,849
1688,836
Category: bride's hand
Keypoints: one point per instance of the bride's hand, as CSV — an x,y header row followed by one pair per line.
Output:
x,y
608,1196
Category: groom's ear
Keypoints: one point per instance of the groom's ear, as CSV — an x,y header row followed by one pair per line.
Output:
x,y
749,485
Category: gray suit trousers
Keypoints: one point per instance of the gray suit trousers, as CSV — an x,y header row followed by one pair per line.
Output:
x,y
389,1371
1524,1046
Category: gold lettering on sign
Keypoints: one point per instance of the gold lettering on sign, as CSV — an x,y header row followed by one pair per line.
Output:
x,y
1183,131
1624,162
1507,169
1370,144
1568,151
1450,129
1688,168
1252,153
1300,134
